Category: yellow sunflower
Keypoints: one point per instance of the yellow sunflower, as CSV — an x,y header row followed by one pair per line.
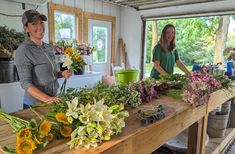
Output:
x,y
68,51
25,146
45,127
37,139
66,131
76,57
80,59
24,133
50,137
61,117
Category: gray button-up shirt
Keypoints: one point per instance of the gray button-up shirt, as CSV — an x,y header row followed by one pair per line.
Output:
x,y
36,66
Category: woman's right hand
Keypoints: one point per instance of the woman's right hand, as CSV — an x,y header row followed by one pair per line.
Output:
x,y
66,74
50,100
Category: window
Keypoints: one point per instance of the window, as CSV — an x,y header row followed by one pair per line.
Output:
x,y
100,43
64,26
65,23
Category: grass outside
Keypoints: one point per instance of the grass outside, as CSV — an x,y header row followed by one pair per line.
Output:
x,y
148,68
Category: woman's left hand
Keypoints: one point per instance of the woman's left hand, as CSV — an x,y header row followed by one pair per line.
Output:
x,y
66,74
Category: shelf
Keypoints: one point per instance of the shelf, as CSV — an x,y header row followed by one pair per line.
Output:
x,y
217,145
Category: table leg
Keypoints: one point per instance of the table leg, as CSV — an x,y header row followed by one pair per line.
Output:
x,y
195,137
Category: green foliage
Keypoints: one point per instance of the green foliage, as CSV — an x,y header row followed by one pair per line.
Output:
x,y
225,82
111,95
175,93
10,39
176,81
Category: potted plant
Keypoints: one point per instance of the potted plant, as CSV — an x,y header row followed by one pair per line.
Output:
x,y
9,41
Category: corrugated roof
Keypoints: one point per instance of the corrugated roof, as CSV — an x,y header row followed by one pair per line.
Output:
x,y
152,4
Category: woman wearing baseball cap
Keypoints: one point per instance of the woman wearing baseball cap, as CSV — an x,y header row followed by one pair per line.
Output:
x,y
35,63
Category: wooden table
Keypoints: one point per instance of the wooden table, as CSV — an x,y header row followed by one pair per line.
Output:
x,y
135,138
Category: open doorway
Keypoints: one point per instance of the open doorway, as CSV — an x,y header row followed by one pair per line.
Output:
x,y
199,40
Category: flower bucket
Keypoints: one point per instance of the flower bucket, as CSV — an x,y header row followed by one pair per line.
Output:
x,y
229,67
8,71
217,125
127,76
196,68
79,71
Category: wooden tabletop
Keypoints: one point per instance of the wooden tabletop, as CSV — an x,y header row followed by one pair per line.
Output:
x,y
134,138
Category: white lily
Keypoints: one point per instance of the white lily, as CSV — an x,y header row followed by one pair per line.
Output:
x,y
67,62
72,108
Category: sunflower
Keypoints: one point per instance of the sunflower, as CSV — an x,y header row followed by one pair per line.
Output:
x,y
68,51
24,133
61,117
45,128
80,59
25,146
37,139
66,131
50,137
77,57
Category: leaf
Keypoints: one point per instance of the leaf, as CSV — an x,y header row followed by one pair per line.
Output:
x,y
8,150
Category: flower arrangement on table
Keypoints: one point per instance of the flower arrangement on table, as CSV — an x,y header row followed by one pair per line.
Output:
x,y
86,122
198,89
91,123
30,135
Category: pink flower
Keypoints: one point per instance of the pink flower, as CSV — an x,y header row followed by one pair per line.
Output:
x,y
200,86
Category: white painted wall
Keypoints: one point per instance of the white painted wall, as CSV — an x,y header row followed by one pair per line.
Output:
x,y
131,34
94,6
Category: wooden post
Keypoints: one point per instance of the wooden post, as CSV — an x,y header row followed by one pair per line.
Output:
x,y
142,58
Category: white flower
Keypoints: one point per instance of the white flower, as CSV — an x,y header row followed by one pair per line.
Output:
x,y
67,62
99,121
72,108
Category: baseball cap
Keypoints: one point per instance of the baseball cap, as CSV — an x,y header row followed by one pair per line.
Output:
x,y
31,16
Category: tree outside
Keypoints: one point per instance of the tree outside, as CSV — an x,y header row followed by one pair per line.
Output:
x,y
196,39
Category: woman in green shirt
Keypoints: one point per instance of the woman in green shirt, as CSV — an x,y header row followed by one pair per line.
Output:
x,y
165,54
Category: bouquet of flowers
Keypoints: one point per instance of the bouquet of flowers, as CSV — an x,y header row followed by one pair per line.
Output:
x,y
91,123
30,135
72,61
199,87
84,49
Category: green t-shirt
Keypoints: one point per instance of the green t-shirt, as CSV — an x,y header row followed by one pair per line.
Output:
x,y
167,60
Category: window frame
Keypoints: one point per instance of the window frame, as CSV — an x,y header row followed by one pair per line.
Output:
x,y
64,9
94,16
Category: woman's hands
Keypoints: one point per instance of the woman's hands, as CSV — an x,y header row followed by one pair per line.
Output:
x,y
38,94
50,100
66,74
183,68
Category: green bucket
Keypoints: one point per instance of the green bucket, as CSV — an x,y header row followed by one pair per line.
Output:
x,y
126,76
